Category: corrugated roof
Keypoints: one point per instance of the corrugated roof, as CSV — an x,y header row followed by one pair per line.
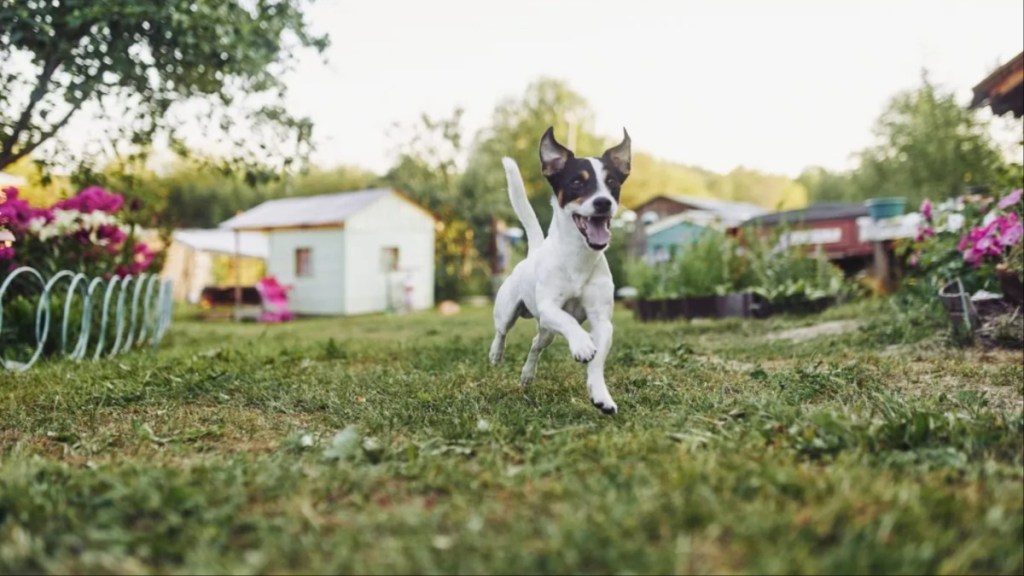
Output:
x,y
323,210
251,244
729,212
701,218
822,211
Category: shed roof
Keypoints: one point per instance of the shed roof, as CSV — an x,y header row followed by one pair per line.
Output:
x,y
701,218
729,212
816,212
306,211
250,244
1003,89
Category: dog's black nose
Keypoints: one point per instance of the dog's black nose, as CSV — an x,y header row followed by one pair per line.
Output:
x,y
602,205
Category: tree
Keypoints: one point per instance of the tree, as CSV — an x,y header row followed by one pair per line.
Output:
x,y
929,146
825,186
652,177
426,169
770,191
131,65
515,131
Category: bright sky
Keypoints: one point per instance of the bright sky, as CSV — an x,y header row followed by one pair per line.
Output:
x,y
772,85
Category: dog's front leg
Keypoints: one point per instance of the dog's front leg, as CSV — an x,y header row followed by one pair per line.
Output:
x,y
601,333
552,317
598,303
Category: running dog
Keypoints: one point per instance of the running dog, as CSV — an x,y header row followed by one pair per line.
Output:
x,y
565,279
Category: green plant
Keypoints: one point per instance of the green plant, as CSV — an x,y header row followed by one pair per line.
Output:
x,y
711,265
782,273
706,266
652,281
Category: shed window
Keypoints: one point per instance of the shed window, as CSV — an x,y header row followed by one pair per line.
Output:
x,y
303,262
389,259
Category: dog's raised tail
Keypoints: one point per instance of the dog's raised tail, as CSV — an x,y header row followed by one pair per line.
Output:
x,y
521,204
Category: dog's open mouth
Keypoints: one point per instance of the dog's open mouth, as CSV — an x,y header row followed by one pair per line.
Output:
x,y
596,230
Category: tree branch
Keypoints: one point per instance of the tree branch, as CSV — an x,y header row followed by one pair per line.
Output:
x,y
42,82
10,157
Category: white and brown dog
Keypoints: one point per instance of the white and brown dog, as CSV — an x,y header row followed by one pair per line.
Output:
x,y
565,279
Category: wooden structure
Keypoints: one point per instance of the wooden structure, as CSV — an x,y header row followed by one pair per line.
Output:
x,y
831,225
347,253
1003,90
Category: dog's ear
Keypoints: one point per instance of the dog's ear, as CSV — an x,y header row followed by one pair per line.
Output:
x,y
553,156
620,156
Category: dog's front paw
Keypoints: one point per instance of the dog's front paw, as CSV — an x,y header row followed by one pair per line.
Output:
x,y
606,405
583,350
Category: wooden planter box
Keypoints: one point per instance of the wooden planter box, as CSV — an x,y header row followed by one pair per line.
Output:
x,y
737,305
740,305
764,308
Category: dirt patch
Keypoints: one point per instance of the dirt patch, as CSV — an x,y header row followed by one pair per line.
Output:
x,y
933,372
818,330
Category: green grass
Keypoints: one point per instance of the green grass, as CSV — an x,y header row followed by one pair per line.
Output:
x,y
733,452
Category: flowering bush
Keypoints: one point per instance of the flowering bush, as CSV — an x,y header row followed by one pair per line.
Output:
x,y
967,238
92,232
88,233
997,235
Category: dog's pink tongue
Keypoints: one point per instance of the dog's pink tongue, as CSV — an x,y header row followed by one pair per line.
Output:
x,y
597,231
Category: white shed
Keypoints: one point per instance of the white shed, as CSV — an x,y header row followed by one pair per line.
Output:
x,y
347,253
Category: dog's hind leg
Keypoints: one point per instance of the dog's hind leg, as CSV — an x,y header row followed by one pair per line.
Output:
x,y
540,342
505,315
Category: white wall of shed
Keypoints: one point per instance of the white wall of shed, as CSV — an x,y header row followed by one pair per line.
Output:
x,y
324,291
388,222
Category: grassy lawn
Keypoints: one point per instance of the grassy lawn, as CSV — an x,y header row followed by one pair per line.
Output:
x,y
740,446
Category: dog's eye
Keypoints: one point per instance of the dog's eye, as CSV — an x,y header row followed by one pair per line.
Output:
x,y
611,182
576,183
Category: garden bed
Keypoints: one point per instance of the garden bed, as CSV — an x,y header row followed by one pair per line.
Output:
x,y
738,305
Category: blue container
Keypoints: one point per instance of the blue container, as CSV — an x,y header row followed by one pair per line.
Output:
x,y
882,208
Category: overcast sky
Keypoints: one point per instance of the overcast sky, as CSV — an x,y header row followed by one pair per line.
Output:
x,y
772,85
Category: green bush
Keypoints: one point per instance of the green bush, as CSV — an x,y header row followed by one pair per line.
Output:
x,y
792,274
716,264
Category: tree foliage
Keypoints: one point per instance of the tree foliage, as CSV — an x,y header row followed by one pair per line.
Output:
x,y
929,146
823,185
515,130
427,170
130,65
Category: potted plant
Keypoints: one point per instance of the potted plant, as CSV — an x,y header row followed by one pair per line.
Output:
x,y
998,239
968,249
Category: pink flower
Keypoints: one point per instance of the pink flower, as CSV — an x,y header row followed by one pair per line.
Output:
x,y
17,213
142,258
111,234
1013,234
974,256
1010,199
6,252
915,259
925,233
92,199
926,209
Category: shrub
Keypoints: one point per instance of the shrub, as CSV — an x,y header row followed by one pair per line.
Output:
x,y
716,264
92,233
966,238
